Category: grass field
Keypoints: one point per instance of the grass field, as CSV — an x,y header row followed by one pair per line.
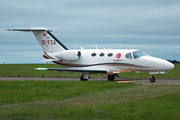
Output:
x,y
87,100
27,70
80,100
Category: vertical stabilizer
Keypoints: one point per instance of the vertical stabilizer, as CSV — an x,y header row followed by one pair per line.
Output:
x,y
46,39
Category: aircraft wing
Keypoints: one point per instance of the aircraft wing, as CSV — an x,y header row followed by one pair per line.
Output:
x,y
73,70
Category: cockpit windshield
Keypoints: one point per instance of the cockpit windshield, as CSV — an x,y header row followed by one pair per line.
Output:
x,y
138,54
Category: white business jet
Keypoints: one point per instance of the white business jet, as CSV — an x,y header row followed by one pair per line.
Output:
x,y
96,61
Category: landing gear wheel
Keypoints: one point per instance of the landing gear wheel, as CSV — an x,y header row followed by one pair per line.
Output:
x,y
111,77
152,79
82,78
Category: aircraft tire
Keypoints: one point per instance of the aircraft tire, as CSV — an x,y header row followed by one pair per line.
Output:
x,y
83,79
111,77
152,79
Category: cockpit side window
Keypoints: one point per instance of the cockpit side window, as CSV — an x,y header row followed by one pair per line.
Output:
x,y
128,56
138,54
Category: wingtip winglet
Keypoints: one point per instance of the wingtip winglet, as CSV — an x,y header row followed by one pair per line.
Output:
x,y
41,69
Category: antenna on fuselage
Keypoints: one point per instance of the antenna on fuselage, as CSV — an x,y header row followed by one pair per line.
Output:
x,y
96,46
82,47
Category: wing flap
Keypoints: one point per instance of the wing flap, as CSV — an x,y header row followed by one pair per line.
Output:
x,y
49,60
73,70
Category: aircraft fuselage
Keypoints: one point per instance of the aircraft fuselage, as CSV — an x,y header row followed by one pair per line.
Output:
x,y
114,61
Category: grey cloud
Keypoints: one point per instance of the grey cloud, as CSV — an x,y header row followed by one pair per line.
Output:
x,y
116,23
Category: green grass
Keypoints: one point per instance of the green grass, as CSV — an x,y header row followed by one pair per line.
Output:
x,y
25,91
87,100
27,70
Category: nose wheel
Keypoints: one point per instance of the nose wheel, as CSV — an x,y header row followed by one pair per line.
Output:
x,y
152,79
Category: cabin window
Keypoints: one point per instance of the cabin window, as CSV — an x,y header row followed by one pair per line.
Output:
x,y
102,54
128,56
93,54
110,54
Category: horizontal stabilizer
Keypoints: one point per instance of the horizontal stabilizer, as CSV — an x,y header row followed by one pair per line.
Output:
x,y
73,70
28,30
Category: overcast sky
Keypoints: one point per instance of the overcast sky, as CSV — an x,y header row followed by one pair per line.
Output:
x,y
152,26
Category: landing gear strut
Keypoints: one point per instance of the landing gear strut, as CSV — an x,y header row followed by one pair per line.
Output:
x,y
152,79
111,77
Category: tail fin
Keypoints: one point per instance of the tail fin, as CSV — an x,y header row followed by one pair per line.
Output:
x,y
46,39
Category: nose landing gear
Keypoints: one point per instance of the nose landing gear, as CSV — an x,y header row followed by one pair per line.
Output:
x,y
152,79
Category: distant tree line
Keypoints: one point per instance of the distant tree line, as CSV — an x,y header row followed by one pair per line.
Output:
x,y
173,61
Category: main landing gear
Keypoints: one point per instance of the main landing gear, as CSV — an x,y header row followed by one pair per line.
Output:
x,y
111,77
152,79
85,77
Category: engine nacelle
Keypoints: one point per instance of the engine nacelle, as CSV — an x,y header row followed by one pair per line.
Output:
x,y
69,55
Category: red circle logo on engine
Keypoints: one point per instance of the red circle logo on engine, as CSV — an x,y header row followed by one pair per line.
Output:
x,y
118,55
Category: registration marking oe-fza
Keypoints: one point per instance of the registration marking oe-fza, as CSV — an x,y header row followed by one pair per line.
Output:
x,y
48,42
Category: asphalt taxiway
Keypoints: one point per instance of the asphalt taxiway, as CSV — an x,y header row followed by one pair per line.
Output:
x,y
120,80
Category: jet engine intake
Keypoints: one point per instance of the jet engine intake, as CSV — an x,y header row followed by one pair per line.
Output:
x,y
69,55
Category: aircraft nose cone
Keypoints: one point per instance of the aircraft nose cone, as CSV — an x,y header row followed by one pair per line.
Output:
x,y
168,65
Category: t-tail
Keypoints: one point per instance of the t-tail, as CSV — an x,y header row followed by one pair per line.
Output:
x,y
46,39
